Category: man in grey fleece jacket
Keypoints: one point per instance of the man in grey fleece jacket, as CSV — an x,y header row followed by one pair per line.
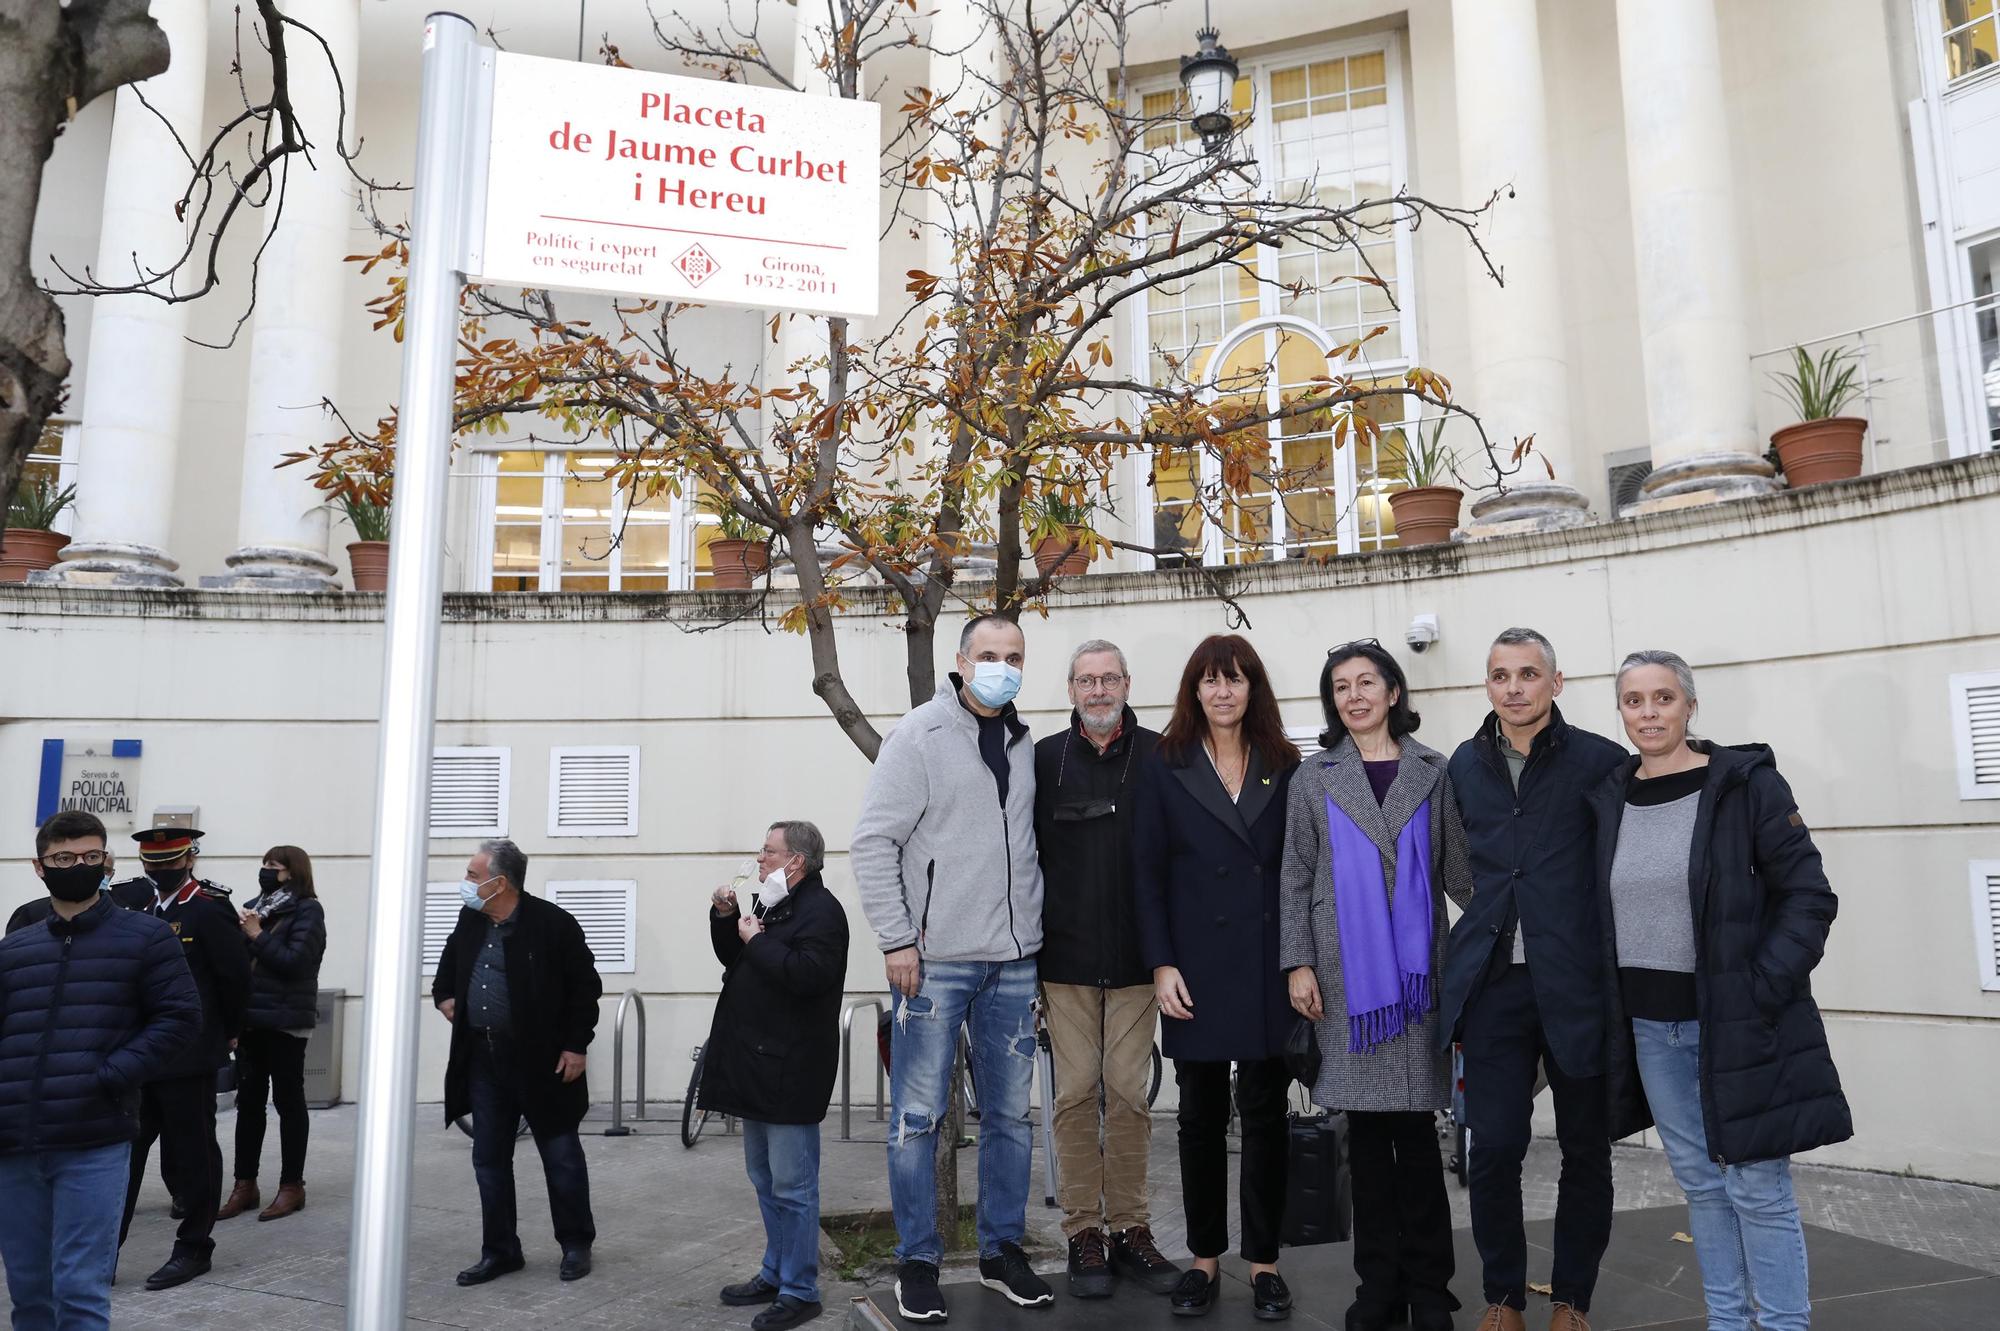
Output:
x,y
944,856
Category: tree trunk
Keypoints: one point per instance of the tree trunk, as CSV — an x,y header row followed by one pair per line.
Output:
x,y
828,682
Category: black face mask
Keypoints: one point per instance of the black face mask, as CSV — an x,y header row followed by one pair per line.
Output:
x,y
267,880
79,882
168,880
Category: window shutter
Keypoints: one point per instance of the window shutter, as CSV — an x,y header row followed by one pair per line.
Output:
x,y
441,908
594,791
1306,737
469,792
1975,719
608,911
1986,921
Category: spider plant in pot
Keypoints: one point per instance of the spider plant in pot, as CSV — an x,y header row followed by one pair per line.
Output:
x,y
357,473
1059,525
1824,445
30,543
740,551
1426,511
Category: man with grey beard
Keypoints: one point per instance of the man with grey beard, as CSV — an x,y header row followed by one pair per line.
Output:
x,y
1097,993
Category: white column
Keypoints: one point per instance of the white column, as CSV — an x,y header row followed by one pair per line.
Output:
x,y
1693,302
1520,359
133,370
281,522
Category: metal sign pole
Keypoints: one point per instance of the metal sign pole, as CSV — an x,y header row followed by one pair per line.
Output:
x,y
382,1157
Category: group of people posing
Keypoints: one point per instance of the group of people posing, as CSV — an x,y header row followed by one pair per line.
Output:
x,y
120,1002
1640,927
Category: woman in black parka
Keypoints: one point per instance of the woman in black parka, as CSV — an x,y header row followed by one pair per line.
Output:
x,y
1208,841
286,929
1716,911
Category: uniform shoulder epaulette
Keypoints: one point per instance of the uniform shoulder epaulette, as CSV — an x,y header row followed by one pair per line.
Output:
x,y
213,889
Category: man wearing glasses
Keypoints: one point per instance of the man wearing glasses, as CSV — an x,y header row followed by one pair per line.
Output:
x,y
1096,992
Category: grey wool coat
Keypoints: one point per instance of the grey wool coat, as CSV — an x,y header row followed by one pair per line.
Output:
x,y
1406,1073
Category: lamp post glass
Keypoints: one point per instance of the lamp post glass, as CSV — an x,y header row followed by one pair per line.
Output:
x,y
1209,76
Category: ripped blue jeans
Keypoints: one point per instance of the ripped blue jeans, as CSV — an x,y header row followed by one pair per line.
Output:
x,y
996,1000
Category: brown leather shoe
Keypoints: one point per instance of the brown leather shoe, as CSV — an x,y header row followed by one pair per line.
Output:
x,y
1499,1317
292,1197
243,1197
1562,1317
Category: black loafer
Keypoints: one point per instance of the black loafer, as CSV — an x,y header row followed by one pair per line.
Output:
x,y
1270,1297
180,1268
1195,1294
490,1268
752,1291
1364,1316
575,1264
785,1313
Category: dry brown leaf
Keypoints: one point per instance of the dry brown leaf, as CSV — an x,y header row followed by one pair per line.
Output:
x,y
1541,1289
1683,1238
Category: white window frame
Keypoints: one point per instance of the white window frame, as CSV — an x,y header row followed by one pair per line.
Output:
x,y
629,825
66,471
1138,338
1985,927
556,891
1931,29
1962,687
683,516
506,792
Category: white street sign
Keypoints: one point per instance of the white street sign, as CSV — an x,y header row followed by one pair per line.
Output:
x,y
641,184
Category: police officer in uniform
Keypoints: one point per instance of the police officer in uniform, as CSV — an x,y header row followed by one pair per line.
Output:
x,y
178,1108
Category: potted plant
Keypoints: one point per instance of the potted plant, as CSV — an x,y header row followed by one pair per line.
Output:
x,y
368,552
741,550
1427,511
357,473
29,544
1824,445
1063,540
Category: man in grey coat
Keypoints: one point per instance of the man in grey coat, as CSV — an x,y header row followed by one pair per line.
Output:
x,y
944,856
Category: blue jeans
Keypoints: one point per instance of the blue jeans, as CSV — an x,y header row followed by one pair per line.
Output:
x,y
782,1160
59,1234
1744,1218
497,1110
996,998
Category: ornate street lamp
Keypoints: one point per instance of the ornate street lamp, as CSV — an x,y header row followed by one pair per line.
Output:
x,y
1209,76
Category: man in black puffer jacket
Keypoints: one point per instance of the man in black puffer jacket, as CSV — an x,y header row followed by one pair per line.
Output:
x,y
94,1002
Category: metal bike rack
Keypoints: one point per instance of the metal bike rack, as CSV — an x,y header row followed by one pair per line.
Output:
x,y
847,1066
618,1128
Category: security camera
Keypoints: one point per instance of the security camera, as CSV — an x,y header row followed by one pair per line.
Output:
x,y
1422,632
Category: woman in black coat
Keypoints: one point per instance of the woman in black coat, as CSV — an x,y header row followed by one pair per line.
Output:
x,y
1716,910
1208,842
286,929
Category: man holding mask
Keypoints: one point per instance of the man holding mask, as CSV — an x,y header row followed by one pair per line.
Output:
x,y
1096,992
944,855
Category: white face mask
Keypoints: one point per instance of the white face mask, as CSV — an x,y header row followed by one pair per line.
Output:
x,y
773,888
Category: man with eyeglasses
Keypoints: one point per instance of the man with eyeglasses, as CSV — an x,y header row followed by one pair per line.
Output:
x,y
1096,992
94,1002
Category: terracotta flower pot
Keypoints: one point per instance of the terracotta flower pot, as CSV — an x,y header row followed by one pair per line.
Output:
x,y
737,564
24,551
1426,515
1055,558
1816,451
370,562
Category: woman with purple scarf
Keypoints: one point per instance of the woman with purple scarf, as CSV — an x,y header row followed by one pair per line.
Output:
x,y
1373,846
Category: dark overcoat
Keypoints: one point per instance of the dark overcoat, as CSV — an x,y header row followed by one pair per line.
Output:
x,y
775,1045
284,968
1205,876
552,993
1762,909
1085,802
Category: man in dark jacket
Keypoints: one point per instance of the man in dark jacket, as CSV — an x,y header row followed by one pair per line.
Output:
x,y
177,1107
1524,982
94,1002
520,988
1096,993
772,1055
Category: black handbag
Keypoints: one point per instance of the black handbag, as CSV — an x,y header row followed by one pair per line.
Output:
x,y
1301,1053
1319,1191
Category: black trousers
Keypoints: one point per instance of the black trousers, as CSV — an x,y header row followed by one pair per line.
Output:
x,y
1503,1045
1204,1145
1402,1218
271,1064
179,1113
497,1109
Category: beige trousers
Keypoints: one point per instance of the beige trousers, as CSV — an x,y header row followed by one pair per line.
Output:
x,y
1101,1037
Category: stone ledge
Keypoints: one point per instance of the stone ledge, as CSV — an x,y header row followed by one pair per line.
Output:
x,y
1960,480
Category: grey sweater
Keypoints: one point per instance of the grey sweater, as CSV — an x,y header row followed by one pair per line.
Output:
x,y
1650,910
939,863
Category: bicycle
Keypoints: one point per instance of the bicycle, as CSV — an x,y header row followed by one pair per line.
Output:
x,y
693,1118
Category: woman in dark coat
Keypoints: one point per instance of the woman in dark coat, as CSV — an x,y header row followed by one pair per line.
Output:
x,y
286,928
1207,837
1716,911
1373,847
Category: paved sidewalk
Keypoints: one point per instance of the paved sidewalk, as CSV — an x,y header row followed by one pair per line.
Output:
x,y
674,1225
